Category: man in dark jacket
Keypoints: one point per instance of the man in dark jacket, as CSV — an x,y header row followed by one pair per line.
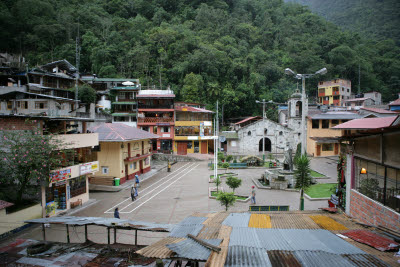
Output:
x,y
116,213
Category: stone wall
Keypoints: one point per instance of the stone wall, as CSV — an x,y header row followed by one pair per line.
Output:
x,y
371,212
173,158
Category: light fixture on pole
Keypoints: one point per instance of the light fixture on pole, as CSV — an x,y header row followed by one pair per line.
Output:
x,y
263,116
303,77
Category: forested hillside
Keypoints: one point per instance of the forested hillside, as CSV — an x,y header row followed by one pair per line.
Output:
x,y
233,50
380,18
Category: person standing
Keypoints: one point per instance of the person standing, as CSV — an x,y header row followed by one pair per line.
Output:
x,y
116,213
136,190
253,195
133,191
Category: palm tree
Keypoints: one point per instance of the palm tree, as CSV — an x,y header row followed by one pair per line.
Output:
x,y
302,175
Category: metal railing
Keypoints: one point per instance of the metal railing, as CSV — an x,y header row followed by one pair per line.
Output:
x,y
154,120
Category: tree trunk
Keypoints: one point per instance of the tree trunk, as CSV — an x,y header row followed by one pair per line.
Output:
x,y
301,197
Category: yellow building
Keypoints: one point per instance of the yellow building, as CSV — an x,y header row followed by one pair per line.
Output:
x,y
193,129
124,151
334,92
322,140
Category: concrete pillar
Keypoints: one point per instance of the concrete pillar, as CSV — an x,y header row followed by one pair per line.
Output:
x,y
348,183
43,193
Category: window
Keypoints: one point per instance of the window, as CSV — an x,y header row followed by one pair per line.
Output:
x,y
40,105
348,90
342,89
327,147
335,122
145,128
233,143
325,124
315,124
77,186
165,129
249,133
9,105
321,91
134,165
155,129
118,119
121,95
265,131
321,83
280,133
336,97
189,145
104,170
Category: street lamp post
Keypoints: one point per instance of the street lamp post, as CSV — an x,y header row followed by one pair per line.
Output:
x,y
303,100
263,116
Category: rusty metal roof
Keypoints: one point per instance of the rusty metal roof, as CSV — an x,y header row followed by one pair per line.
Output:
x,y
379,242
108,222
159,249
365,260
247,256
191,249
283,258
293,221
320,258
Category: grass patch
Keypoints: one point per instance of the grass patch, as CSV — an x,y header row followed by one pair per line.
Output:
x,y
215,194
321,190
316,174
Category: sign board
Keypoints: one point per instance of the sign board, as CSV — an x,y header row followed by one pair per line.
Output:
x,y
201,129
166,135
209,137
193,138
207,123
88,167
60,175
162,124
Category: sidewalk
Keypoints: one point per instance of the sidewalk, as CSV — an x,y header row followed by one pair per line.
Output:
x,y
327,166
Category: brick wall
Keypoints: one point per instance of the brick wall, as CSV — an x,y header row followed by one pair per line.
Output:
x,y
371,212
11,123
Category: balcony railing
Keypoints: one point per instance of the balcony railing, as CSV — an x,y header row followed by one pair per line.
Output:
x,y
146,106
154,120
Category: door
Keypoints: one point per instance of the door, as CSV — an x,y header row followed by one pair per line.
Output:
x,y
142,147
182,148
203,147
336,148
318,150
141,166
126,172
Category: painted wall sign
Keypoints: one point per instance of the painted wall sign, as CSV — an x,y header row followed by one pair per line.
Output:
x,y
60,175
88,168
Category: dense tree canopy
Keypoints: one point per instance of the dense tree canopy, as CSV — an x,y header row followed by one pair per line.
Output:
x,y
233,51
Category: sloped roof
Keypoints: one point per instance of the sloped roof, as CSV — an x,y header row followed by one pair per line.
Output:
x,y
248,119
119,132
5,204
335,115
367,123
379,110
192,109
63,63
357,99
395,103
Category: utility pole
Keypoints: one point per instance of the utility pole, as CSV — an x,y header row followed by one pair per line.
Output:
x,y
263,116
359,79
77,55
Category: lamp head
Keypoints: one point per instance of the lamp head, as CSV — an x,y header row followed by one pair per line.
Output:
x,y
289,72
321,71
363,171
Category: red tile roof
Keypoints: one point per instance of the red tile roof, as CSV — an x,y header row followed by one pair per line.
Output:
x,y
248,119
381,111
367,123
119,132
357,99
395,103
192,109
5,204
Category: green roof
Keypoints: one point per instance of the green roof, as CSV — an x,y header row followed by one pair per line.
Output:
x,y
124,103
125,88
109,79
123,114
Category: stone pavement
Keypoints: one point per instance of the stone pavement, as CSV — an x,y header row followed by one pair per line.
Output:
x,y
326,166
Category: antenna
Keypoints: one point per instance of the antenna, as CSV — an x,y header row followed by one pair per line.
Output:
x,y
77,57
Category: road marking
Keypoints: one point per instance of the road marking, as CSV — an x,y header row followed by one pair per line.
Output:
x,y
191,169
144,189
142,196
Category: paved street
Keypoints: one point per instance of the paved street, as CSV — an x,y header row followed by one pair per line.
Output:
x,y
169,198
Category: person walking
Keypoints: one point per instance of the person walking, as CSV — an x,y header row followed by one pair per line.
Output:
x,y
116,213
253,195
133,191
137,180
136,194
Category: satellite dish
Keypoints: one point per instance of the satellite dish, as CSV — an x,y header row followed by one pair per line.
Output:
x,y
128,83
222,139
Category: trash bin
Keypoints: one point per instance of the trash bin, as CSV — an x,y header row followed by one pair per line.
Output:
x,y
116,181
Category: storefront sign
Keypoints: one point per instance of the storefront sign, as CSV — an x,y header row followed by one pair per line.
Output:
x,y
51,208
89,167
60,175
61,183
207,123
162,124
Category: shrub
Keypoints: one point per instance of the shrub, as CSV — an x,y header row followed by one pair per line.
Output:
x,y
226,199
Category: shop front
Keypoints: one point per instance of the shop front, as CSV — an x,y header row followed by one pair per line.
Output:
x,y
67,187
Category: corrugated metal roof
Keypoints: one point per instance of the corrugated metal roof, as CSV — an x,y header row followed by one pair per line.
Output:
x,y
395,102
184,230
246,256
109,222
283,258
209,232
365,260
190,249
367,123
335,116
320,258
237,220
112,132
248,119
159,249
217,259
293,221
379,110
5,204
216,219
260,221
379,242
291,239
326,222
193,220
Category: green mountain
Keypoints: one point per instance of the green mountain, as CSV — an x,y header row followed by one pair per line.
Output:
x,y
231,51
380,18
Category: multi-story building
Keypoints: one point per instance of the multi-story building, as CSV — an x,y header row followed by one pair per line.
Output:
x,y
193,129
334,92
322,140
156,115
124,104
124,151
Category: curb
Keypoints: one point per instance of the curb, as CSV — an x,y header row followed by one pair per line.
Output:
x,y
260,186
316,199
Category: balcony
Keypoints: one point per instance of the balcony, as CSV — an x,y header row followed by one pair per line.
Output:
x,y
73,171
138,156
78,140
155,120
148,106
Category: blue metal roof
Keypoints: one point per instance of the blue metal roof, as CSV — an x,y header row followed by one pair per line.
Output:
x,y
237,220
193,220
184,230
246,256
190,249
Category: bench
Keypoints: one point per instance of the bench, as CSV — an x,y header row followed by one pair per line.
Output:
x,y
76,203
237,165
268,208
